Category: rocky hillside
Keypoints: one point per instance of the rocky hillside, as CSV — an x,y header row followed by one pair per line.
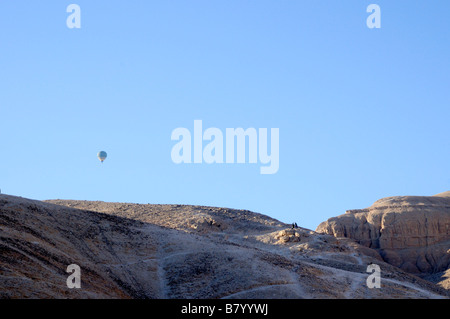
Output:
x,y
173,251
409,232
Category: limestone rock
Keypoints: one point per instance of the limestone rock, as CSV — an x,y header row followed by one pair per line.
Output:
x,y
409,232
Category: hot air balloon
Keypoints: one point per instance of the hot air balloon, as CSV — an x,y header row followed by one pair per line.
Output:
x,y
102,156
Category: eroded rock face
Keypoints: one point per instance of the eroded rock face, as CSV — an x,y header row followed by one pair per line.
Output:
x,y
410,232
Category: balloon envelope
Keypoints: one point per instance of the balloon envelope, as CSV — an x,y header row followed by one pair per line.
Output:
x,y
102,156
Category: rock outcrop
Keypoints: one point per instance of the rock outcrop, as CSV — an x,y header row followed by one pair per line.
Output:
x,y
409,232
177,251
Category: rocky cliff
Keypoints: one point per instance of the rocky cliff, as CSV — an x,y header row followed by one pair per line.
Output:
x,y
175,251
409,232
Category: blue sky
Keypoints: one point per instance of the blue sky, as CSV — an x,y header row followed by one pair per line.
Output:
x,y
363,113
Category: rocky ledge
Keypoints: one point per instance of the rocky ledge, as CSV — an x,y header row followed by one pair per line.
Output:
x,y
409,232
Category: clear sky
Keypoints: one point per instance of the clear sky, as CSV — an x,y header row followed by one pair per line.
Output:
x,y
362,113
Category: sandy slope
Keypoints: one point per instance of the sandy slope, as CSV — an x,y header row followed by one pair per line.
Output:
x,y
175,251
